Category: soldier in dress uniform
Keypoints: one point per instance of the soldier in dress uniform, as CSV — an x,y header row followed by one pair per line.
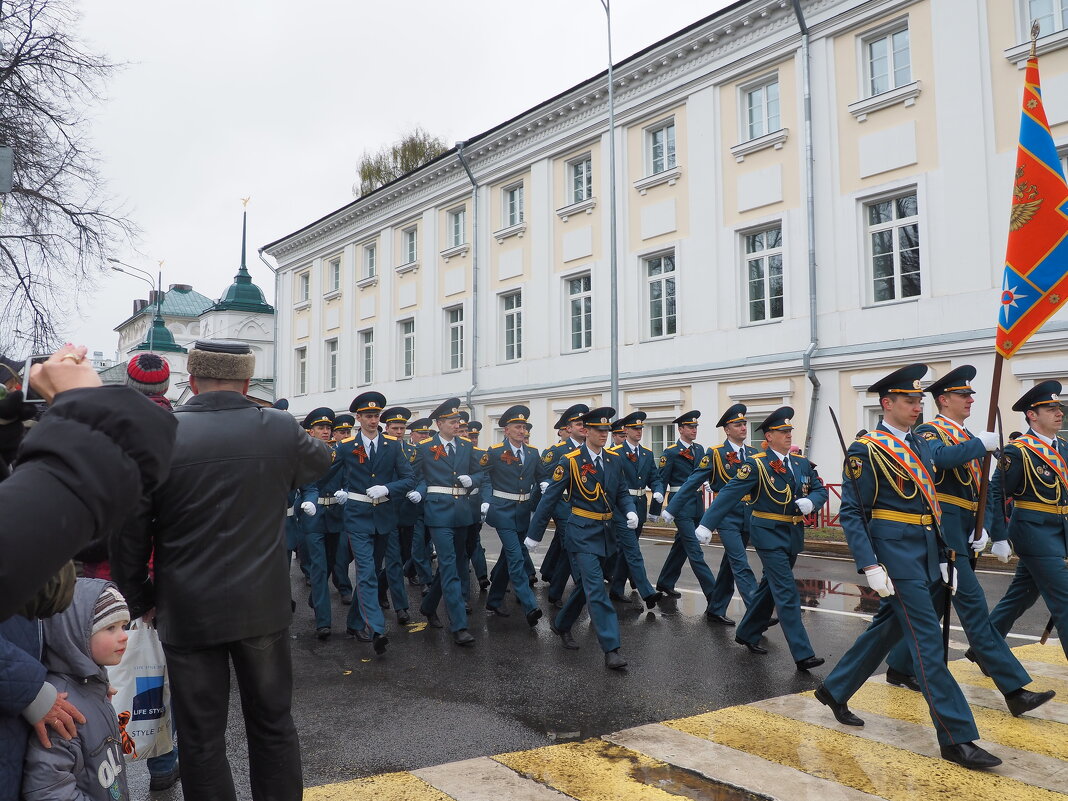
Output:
x,y
512,485
419,569
317,502
336,542
556,567
619,434
957,456
446,468
1033,474
891,516
343,424
685,509
376,470
475,552
391,570
782,489
640,474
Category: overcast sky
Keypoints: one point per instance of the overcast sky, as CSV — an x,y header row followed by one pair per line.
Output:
x,y
277,100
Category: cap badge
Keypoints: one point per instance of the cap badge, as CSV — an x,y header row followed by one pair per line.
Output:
x,y
916,384
372,405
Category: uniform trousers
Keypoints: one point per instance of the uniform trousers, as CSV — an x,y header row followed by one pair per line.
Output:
x,y
451,544
420,563
200,693
341,559
511,565
365,611
316,553
777,592
1036,576
686,547
555,549
989,646
590,591
629,562
909,614
390,564
476,554
734,570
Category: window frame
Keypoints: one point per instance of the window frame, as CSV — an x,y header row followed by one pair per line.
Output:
x,y
507,217
586,162
866,40
303,291
745,91
894,225
647,299
331,362
458,214
507,317
366,371
333,275
570,298
651,440
300,371
406,338
410,240
671,160
454,345
370,260
763,255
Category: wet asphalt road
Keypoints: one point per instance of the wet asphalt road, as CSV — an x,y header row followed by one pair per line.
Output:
x,y
427,701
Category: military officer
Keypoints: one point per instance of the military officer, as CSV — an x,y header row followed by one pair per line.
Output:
x,y
375,470
446,468
957,453
640,474
337,544
891,515
556,567
475,552
781,488
676,463
317,504
511,486
391,570
596,491
419,568
1033,473
343,424
619,434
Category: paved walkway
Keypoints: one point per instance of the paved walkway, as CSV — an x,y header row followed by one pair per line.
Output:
x,y
788,748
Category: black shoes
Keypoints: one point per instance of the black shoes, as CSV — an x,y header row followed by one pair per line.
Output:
x,y
383,601
346,600
565,638
1021,701
723,619
669,593
841,711
615,596
752,646
498,611
809,662
613,660
379,643
483,584
899,679
463,637
403,617
969,755
773,621
360,636
971,656
433,620
163,781
533,616
323,632
652,600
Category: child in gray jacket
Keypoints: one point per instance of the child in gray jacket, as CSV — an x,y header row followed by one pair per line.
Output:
x,y
79,645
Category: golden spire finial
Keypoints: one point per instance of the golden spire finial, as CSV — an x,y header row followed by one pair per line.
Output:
x,y
160,263
245,200
1036,28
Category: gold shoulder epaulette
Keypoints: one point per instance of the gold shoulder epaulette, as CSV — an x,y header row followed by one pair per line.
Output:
x,y
614,448
390,436
476,448
349,439
575,452
497,445
755,455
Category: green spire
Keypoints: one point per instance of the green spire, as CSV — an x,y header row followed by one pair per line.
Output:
x,y
159,338
243,295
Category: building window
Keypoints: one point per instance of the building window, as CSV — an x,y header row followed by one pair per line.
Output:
x,y
762,108
411,245
454,335
887,59
457,226
407,336
333,275
331,364
370,261
894,248
367,356
302,371
1052,15
660,436
660,294
581,179
763,272
512,310
580,311
303,287
513,205
661,147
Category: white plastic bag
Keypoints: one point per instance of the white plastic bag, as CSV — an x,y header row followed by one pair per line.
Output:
x,y
143,700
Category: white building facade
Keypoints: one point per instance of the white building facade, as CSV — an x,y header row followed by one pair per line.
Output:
x,y
758,261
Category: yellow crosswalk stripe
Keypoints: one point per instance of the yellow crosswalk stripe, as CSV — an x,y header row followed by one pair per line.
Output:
x,y
1048,653
384,787
967,673
883,770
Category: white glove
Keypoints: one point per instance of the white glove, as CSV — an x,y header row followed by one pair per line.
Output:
x,y
658,497
979,545
544,485
666,516
704,535
706,487
804,505
990,440
944,568
308,508
414,497
532,545
465,481
341,495
1002,550
485,508
632,520
879,581
376,492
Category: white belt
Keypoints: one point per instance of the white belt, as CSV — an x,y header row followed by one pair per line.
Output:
x,y
512,496
327,501
674,489
356,496
638,493
290,512
457,492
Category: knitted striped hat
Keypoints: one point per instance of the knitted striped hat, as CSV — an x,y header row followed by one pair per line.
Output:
x,y
110,608
148,373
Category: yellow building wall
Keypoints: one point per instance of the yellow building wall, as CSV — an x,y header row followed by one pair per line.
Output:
x,y
512,243
561,181
635,148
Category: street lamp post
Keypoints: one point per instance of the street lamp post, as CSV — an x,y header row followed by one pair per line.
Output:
x,y
613,269
145,276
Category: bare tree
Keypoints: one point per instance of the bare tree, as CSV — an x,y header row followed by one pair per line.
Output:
x,y
389,163
57,226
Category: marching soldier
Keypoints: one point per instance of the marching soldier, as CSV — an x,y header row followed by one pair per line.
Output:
x,y
685,509
640,474
419,568
391,570
446,468
619,434
596,490
782,489
511,485
957,453
337,544
317,504
375,469
1033,473
891,516
475,552
343,424
555,567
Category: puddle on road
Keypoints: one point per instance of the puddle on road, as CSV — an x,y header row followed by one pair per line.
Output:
x,y
685,784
